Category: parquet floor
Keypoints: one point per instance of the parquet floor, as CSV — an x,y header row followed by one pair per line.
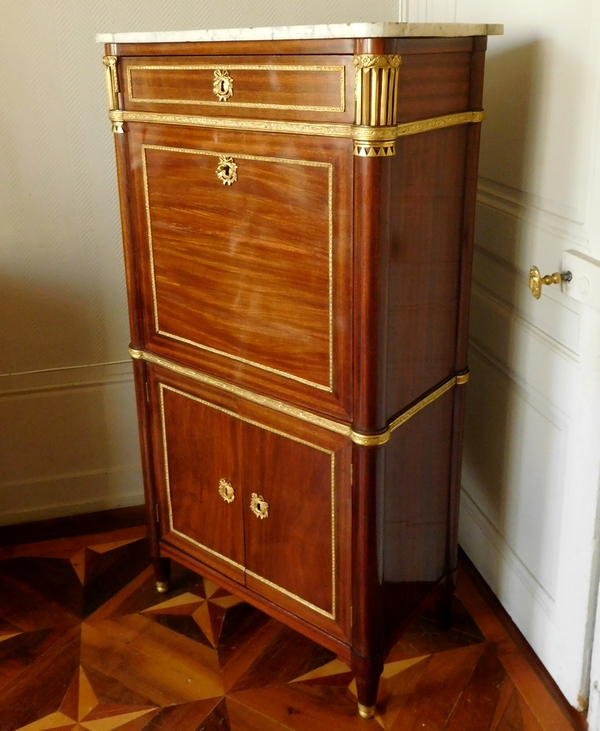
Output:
x,y
87,643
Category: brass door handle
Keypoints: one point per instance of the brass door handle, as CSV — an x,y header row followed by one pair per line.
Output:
x,y
536,280
259,506
226,490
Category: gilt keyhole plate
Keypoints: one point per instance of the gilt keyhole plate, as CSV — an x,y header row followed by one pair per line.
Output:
x,y
227,170
226,490
259,506
223,85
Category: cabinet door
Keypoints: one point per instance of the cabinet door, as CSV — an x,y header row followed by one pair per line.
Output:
x,y
199,480
295,515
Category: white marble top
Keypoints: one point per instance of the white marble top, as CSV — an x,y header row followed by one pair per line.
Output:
x,y
302,32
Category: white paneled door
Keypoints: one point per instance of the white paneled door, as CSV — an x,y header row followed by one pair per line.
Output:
x,y
532,452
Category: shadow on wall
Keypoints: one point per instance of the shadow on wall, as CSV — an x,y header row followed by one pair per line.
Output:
x,y
513,454
68,437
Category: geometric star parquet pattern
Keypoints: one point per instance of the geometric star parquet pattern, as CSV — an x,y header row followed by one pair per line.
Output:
x,y
87,643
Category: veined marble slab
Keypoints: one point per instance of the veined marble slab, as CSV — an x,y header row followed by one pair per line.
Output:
x,y
303,32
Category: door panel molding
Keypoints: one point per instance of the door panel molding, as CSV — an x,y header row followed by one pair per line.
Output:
x,y
491,540
509,330
523,206
549,321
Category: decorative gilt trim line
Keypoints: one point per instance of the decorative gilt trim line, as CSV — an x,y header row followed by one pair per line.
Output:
x,y
448,120
360,133
242,393
375,440
246,125
370,440
380,141
363,440
433,396
341,70
295,597
290,161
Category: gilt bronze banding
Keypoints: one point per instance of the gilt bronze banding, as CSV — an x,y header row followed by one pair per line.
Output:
x,y
359,133
462,378
360,438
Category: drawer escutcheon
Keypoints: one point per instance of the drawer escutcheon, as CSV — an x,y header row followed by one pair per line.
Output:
x,y
223,85
259,506
226,490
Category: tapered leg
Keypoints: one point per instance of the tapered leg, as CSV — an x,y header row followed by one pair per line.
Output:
x,y
162,573
368,672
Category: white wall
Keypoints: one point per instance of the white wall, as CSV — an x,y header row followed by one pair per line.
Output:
x,y
68,435
532,445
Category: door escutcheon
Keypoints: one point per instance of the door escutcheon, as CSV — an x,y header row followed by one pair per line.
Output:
x,y
259,506
226,490
536,280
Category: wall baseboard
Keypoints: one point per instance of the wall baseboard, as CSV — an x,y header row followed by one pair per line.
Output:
x,y
509,580
73,525
65,495
68,442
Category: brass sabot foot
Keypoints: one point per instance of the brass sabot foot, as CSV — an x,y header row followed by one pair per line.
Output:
x,y
366,711
162,587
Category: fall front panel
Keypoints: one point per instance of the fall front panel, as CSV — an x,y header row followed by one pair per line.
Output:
x,y
246,271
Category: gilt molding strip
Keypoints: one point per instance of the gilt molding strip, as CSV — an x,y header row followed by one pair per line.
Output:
x,y
364,440
359,133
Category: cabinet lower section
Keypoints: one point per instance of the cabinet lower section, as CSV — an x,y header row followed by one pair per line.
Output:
x,y
240,489
343,542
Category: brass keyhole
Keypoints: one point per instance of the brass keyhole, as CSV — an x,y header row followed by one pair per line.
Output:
x,y
259,506
227,170
223,85
226,490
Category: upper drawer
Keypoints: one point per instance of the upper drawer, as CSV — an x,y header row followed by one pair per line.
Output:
x,y
271,87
